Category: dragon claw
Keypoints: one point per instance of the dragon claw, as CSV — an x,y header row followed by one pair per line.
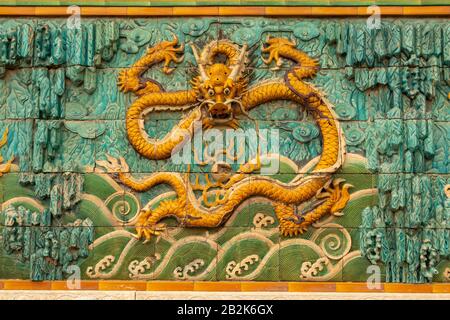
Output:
x,y
129,80
180,59
179,49
337,181
274,48
145,228
264,49
169,53
5,167
168,70
126,82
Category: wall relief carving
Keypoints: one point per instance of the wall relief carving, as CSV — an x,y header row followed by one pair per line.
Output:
x,y
239,149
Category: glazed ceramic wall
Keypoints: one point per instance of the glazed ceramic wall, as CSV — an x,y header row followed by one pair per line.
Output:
x,y
61,111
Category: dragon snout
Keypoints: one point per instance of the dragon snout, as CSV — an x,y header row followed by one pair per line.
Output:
x,y
220,111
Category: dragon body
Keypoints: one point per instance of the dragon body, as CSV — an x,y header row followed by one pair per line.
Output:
x,y
218,94
5,167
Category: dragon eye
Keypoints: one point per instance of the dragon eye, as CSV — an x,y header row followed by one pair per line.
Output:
x,y
211,92
226,91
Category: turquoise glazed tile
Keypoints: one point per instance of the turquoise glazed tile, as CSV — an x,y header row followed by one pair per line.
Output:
x,y
277,111
357,135
21,98
412,139
18,144
3,105
441,105
439,131
67,126
287,146
351,104
47,141
79,144
133,42
82,104
433,251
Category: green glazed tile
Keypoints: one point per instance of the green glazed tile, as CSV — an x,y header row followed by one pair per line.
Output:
x,y
304,261
12,266
443,271
399,2
248,256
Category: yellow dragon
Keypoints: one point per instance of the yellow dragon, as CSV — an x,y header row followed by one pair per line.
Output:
x,y
5,167
218,94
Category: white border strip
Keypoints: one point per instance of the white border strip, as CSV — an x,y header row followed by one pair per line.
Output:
x,y
197,295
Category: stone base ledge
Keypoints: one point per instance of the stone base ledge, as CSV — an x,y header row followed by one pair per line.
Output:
x,y
192,295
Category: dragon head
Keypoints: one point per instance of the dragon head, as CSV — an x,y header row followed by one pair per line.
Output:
x,y
219,87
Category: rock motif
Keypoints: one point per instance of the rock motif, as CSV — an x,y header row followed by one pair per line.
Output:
x,y
49,251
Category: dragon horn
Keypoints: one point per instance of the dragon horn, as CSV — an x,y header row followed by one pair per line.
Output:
x,y
240,63
200,64
175,39
292,42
